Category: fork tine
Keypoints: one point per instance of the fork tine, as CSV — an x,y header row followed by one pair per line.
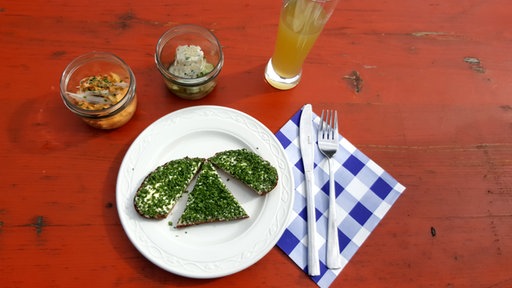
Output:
x,y
321,128
336,121
328,128
335,132
328,124
331,122
323,121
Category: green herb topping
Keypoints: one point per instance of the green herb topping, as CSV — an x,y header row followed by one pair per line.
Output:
x,y
161,189
210,201
249,168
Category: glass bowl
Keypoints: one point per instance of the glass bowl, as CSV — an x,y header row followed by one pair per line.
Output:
x,y
99,87
190,58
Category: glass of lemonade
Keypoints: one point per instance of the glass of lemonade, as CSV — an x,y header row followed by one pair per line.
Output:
x,y
300,23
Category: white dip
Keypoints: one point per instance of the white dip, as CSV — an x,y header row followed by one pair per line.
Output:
x,y
190,62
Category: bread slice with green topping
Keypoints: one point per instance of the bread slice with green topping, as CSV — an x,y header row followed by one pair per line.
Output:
x,y
164,186
249,168
210,201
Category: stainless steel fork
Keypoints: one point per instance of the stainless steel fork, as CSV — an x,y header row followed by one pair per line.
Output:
x,y
328,145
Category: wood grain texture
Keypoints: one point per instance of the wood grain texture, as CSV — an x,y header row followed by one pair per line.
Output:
x,y
434,109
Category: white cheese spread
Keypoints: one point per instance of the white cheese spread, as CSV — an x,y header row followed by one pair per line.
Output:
x,y
190,62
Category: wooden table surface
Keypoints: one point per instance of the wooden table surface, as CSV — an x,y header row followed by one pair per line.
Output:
x,y
434,110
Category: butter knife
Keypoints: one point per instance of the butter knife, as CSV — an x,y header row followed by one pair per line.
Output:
x,y
307,149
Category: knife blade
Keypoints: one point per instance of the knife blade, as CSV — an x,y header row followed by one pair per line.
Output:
x,y
307,149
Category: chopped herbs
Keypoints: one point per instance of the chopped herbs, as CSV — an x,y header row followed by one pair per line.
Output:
x,y
249,168
161,189
210,201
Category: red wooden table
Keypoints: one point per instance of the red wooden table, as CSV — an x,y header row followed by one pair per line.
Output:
x,y
434,109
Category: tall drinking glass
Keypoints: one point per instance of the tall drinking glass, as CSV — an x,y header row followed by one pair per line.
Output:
x,y
300,23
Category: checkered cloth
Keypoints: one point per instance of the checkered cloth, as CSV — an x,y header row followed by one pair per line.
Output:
x,y
364,194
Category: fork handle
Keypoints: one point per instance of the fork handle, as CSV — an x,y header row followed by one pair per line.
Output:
x,y
333,249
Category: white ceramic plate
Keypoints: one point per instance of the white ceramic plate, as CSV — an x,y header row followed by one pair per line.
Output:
x,y
215,249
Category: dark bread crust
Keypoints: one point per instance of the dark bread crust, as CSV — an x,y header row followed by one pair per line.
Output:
x,y
182,225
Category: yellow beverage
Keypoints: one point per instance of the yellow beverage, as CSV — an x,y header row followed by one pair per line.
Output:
x,y
300,24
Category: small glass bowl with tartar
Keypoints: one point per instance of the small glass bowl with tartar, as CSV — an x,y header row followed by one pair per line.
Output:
x,y
190,58
99,87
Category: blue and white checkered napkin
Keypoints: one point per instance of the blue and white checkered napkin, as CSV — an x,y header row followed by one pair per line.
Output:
x,y
364,191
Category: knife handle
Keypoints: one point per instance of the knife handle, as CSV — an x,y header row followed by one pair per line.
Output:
x,y
313,261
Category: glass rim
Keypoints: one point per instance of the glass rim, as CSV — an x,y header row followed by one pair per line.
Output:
x,y
179,30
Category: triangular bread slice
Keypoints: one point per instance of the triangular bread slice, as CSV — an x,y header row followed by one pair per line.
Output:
x,y
249,168
164,186
210,201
